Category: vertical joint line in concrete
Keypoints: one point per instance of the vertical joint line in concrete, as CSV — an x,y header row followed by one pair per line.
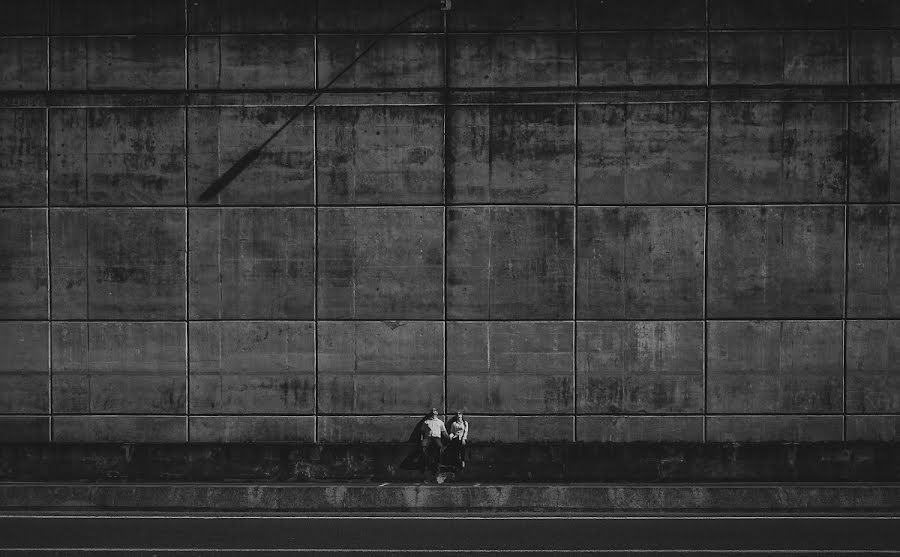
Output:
x,y
575,235
315,123
445,101
703,363
187,246
847,106
708,48
49,258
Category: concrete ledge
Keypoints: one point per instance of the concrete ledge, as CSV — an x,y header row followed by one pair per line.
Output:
x,y
599,498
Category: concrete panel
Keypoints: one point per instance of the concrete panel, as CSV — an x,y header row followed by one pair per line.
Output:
x,y
641,14
380,154
874,152
630,429
642,153
380,263
873,270
873,379
252,367
642,58
252,62
748,14
398,61
641,366
774,367
777,152
512,15
118,263
380,367
771,57
510,263
874,13
259,16
520,429
873,428
23,18
375,16
23,264
795,429
511,154
252,263
24,429
24,368
512,60
118,367
775,262
119,429
23,64
135,63
367,429
640,262
875,58
118,17
117,156
283,173
23,152
252,429
510,367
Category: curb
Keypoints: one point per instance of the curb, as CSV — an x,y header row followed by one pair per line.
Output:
x,y
608,498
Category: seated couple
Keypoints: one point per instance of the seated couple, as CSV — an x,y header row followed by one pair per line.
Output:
x,y
433,432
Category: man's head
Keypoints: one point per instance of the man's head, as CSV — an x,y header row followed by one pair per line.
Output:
x,y
434,413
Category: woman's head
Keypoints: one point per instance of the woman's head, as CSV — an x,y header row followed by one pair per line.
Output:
x,y
459,414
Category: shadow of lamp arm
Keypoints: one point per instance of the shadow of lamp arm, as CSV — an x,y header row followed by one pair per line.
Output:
x,y
245,161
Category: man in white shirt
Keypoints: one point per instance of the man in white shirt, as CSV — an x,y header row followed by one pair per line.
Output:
x,y
432,434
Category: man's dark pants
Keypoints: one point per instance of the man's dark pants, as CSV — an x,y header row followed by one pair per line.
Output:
x,y
432,447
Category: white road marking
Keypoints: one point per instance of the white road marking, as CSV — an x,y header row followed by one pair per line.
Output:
x,y
459,550
442,517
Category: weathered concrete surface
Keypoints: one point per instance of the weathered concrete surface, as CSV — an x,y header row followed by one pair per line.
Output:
x,y
875,59
511,154
510,367
639,366
374,16
23,152
496,60
749,14
117,156
252,263
744,429
253,367
758,367
642,58
119,429
874,152
282,175
640,262
873,382
119,17
260,16
372,367
23,64
24,429
642,429
251,62
565,462
380,263
775,262
510,263
23,264
118,263
641,14
380,154
24,368
642,153
119,367
873,271
136,63
777,152
873,428
368,429
251,429
512,15
397,61
769,58
23,18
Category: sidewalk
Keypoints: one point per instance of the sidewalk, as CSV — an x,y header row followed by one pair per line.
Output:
x,y
368,497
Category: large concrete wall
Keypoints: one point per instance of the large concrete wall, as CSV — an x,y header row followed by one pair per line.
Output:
x,y
624,220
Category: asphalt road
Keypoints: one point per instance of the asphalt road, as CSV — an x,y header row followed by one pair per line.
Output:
x,y
406,535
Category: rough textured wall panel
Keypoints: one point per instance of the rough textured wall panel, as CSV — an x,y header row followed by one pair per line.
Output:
x,y
617,220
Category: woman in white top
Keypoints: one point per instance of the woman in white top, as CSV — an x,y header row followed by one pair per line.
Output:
x,y
458,428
